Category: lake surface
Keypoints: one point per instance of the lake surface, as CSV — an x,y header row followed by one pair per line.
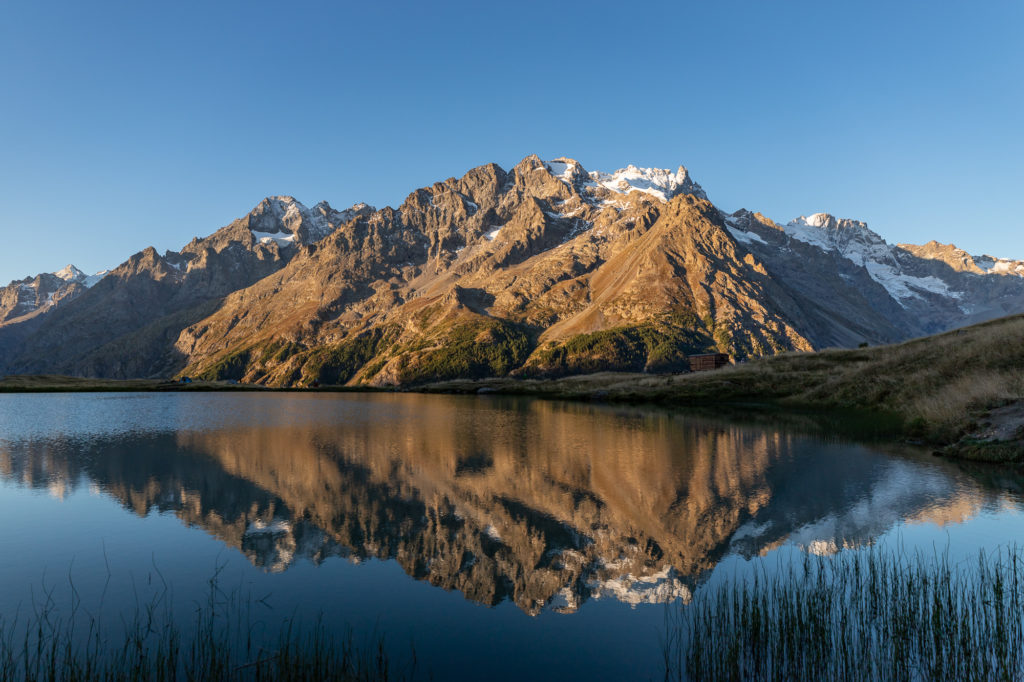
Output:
x,y
501,538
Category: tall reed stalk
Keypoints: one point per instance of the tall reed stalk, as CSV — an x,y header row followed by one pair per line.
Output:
x,y
870,615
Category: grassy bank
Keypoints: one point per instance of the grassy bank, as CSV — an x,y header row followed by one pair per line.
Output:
x,y
944,389
866,616
48,383
45,383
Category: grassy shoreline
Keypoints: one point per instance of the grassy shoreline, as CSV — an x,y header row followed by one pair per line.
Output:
x,y
962,390
49,383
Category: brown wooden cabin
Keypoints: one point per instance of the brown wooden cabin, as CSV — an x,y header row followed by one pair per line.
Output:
x,y
702,363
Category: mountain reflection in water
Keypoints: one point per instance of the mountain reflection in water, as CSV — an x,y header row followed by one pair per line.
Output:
x,y
545,504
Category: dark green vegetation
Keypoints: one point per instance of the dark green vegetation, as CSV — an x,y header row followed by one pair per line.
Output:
x,y
469,347
482,348
231,367
219,644
657,346
339,363
873,615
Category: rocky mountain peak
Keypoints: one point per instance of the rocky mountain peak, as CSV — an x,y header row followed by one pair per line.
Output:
x,y
961,261
568,170
73,275
999,266
281,216
958,259
827,221
40,293
357,210
69,273
286,221
659,182
831,233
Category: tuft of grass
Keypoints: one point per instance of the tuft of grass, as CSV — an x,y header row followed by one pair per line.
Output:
x,y
871,615
944,406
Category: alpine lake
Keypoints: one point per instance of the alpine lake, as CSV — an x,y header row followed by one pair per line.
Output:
x,y
463,537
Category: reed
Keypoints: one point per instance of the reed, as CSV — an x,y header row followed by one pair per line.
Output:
x,y
225,638
871,615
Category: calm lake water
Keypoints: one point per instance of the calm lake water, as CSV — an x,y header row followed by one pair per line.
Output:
x,y
499,538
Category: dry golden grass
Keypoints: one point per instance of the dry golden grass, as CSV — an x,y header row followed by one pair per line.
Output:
x,y
950,402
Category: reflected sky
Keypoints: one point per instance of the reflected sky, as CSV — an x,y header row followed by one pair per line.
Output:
x,y
473,526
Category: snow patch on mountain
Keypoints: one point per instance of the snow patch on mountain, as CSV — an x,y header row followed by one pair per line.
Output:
x,y
91,280
563,169
902,286
69,273
658,182
280,238
745,237
999,266
565,215
852,240
740,234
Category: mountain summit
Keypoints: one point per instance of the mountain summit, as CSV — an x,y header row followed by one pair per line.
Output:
x,y
543,269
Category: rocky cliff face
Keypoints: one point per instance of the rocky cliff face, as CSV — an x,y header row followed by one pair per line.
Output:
x,y
544,269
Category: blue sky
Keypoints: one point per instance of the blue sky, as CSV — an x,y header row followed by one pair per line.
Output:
x,y
124,125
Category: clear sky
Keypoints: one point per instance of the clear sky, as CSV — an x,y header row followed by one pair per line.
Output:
x,y
124,125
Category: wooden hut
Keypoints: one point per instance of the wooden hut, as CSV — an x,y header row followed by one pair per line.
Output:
x,y
707,361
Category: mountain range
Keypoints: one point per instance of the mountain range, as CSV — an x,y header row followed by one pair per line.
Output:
x,y
542,270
